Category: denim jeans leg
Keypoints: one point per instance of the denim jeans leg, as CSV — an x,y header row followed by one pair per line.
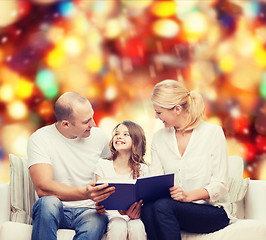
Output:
x,y
46,216
88,224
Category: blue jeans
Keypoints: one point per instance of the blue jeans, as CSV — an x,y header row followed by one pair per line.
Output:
x,y
49,215
165,218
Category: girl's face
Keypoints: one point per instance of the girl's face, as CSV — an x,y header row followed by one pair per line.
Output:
x,y
122,140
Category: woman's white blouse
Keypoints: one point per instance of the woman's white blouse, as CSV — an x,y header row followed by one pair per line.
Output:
x,y
203,165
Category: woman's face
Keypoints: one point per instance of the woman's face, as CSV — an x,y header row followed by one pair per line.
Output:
x,y
167,116
122,140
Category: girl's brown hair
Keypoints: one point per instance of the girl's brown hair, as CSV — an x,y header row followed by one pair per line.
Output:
x,y
138,149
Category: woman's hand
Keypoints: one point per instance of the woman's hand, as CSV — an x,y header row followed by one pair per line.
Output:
x,y
134,211
100,209
177,193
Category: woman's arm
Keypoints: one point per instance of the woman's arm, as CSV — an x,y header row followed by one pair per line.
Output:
x,y
177,193
219,166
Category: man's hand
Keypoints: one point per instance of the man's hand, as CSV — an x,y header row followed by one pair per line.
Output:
x,y
134,211
98,193
100,209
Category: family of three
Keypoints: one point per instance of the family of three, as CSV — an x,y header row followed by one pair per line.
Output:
x,y
68,157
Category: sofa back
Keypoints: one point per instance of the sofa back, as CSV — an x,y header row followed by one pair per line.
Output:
x,y
235,167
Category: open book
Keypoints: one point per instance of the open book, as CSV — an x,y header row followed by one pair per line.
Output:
x,y
129,191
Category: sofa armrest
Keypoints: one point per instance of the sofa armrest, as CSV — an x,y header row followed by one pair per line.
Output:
x,y
4,202
255,199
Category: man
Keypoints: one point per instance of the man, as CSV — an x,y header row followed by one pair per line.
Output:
x,y
62,159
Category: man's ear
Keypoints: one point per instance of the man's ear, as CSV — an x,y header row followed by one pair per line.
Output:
x,y
65,123
178,109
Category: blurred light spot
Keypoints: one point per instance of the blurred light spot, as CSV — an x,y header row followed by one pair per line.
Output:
x,y
185,7
164,8
108,124
55,34
165,28
44,1
45,80
55,58
66,8
260,55
73,46
215,120
4,39
46,110
94,38
8,12
94,63
24,88
227,63
6,93
141,4
93,91
17,110
15,138
113,28
251,9
110,93
263,86
235,147
195,25
80,24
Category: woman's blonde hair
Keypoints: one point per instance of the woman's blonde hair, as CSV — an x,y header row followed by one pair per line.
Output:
x,y
169,93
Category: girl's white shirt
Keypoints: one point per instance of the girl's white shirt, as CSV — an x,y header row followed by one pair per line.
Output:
x,y
105,170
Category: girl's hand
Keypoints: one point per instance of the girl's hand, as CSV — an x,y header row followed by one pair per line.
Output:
x,y
100,209
178,194
134,211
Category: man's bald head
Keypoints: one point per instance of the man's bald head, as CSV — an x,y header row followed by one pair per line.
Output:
x,y
65,104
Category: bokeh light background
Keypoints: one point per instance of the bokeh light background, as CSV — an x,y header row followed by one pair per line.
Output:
x,y
113,52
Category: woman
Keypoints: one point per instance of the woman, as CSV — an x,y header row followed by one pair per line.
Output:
x,y
196,151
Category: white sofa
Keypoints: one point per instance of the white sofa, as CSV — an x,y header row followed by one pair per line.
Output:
x,y
252,208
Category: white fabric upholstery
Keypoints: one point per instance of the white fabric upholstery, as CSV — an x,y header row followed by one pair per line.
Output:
x,y
23,232
255,200
254,208
247,229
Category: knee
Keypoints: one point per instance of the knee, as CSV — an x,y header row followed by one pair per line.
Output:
x,y
117,228
49,205
162,205
91,218
136,226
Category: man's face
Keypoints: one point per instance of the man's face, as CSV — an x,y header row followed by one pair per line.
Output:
x,y
83,120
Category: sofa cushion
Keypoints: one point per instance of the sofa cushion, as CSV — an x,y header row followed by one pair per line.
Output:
x,y
22,193
15,231
246,229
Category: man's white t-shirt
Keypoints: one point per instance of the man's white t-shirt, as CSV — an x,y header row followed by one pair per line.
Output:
x,y
73,160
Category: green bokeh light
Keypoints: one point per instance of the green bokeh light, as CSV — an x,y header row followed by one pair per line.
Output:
x,y
263,86
45,80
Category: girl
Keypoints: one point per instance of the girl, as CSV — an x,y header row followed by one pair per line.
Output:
x,y
128,146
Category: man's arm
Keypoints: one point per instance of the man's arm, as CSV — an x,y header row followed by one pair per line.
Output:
x,y
42,178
